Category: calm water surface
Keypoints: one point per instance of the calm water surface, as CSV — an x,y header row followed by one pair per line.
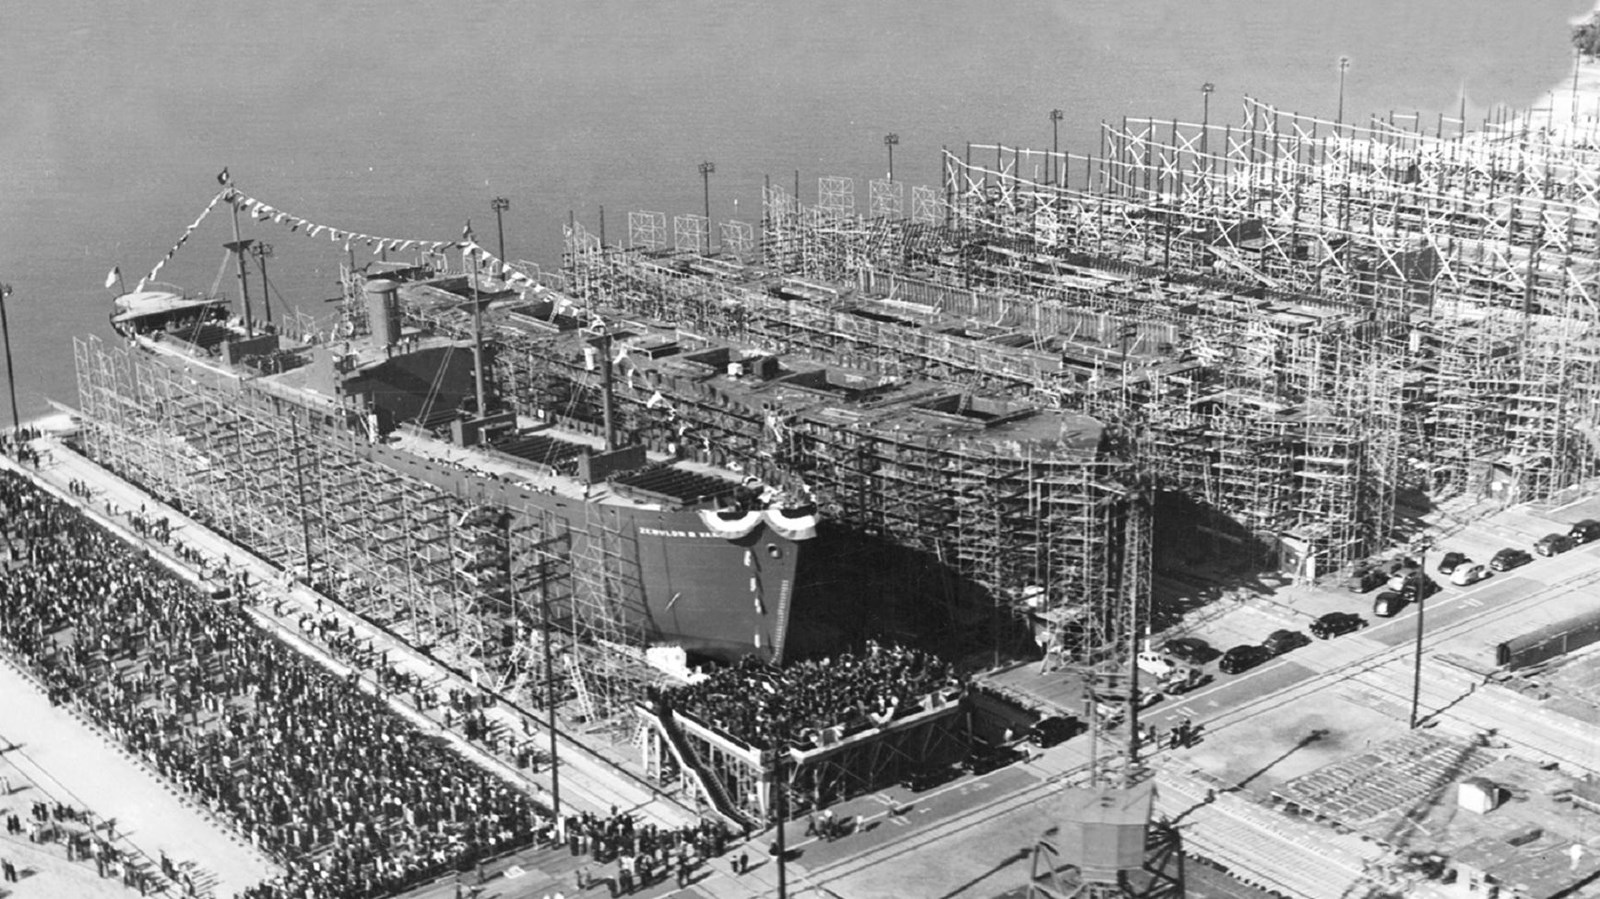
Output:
x,y
403,119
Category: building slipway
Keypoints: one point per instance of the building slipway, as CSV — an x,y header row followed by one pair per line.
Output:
x,y
588,782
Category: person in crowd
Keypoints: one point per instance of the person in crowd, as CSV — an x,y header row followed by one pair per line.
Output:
x,y
349,798
765,706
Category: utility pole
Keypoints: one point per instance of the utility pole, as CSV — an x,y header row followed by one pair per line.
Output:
x,y
300,489
262,251
477,333
1055,143
550,690
706,168
890,140
1421,576
780,801
11,377
500,205
1344,64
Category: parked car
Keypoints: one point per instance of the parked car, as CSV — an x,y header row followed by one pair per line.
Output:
x,y
1404,576
1399,564
1452,561
1552,544
1281,641
1363,579
1509,558
1193,650
984,758
1110,706
1183,679
1047,732
1335,623
1584,531
1418,586
1469,574
926,777
1242,658
1389,603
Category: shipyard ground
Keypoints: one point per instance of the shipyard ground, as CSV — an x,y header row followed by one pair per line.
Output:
x,y
1306,780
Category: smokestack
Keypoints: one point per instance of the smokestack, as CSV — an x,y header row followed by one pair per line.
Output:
x,y
383,313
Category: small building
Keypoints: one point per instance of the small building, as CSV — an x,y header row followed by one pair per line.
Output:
x,y
1479,794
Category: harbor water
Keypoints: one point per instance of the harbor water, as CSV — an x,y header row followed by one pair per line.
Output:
x,y
404,119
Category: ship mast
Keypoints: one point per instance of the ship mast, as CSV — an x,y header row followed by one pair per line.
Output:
x,y
606,396
477,338
602,345
238,246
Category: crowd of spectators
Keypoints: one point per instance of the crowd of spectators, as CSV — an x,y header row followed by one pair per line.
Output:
x,y
802,703
643,853
349,798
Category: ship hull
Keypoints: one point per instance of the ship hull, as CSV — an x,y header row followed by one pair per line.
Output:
x,y
277,475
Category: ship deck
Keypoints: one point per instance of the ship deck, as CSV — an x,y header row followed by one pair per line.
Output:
x,y
300,385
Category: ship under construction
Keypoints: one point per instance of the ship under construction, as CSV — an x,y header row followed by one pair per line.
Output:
x,y
1009,401
1285,327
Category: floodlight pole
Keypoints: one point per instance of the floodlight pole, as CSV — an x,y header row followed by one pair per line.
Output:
x,y
11,378
1344,65
706,168
1055,142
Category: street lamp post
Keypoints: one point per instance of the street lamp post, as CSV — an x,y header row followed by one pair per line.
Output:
x,y
1422,598
1055,142
262,251
11,378
1344,64
890,140
500,205
706,168
1205,116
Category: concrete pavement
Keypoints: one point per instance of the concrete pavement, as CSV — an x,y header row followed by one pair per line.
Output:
x,y
59,756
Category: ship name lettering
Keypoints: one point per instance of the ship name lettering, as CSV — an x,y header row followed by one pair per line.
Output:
x,y
667,532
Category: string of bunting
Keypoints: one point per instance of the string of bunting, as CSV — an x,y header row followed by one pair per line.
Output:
x,y
182,240
263,212
298,224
